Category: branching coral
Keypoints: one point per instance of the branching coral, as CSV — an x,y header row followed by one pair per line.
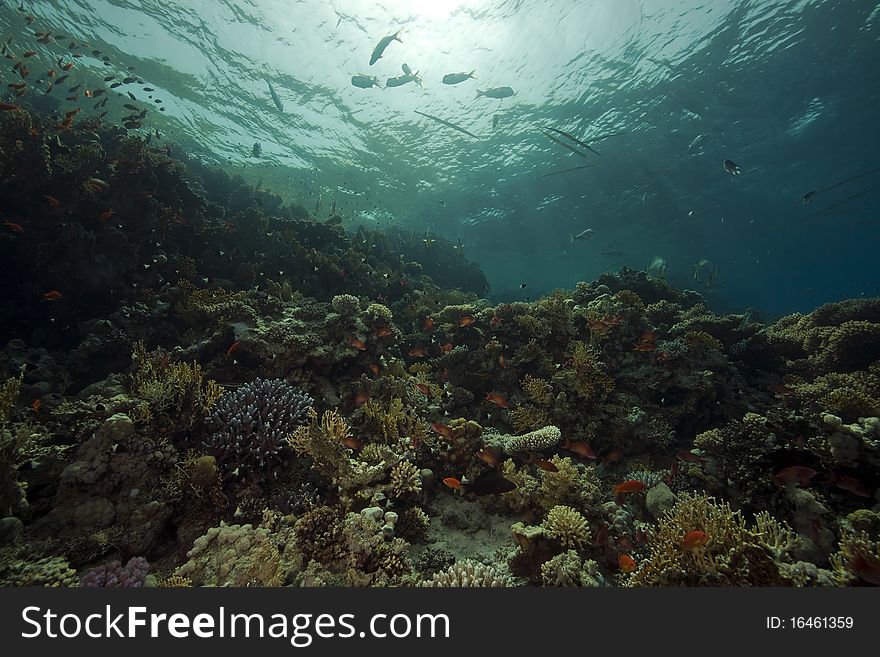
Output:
x,y
469,573
570,569
858,558
173,394
405,480
534,441
537,390
251,426
585,374
567,526
727,554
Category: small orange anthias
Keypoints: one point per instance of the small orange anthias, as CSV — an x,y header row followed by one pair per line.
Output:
x,y
629,486
499,400
360,345
647,341
626,563
695,539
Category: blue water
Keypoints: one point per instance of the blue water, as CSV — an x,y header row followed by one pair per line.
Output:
x,y
787,90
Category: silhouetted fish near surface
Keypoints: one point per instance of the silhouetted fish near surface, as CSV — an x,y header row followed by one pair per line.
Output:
x,y
456,78
809,197
447,124
365,81
384,42
556,173
275,98
495,92
574,139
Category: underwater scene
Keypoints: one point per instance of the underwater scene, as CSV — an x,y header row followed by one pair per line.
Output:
x,y
439,293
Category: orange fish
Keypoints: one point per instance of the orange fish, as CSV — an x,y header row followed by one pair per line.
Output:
x,y
106,214
852,485
384,331
442,429
467,320
428,323
417,352
36,405
581,449
50,73
489,457
52,295
67,66
452,482
446,347
352,443
499,400
424,389
29,53
501,362
545,465
695,539
6,107
629,486
15,228
626,563
374,368
795,474
357,344
868,568
361,398
233,348
495,321
54,203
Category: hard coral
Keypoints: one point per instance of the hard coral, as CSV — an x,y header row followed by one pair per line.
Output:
x,y
469,573
732,555
567,526
115,575
251,426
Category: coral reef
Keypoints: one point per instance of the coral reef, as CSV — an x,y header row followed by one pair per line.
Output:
x,y
220,385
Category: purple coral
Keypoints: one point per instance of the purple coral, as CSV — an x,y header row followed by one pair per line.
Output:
x,y
251,425
115,575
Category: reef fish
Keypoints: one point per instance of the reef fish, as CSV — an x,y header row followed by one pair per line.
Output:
x,y
384,42
455,78
401,80
581,449
499,400
275,98
795,474
629,486
574,139
496,92
52,295
695,539
489,483
583,235
626,563
732,168
365,81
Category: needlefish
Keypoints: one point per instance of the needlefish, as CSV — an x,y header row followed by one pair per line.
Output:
x,y
447,124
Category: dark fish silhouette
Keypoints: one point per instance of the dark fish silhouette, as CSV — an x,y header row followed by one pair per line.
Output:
x,y
448,124
564,145
384,42
809,197
556,173
575,140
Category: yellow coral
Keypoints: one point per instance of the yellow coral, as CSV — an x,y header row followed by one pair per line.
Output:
x,y
528,418
858,557
586,374
405,480
700,341
9,395
567,526
537,390
733,555
174,394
